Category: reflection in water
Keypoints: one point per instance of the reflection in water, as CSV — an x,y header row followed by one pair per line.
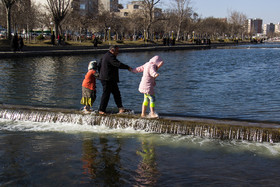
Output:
x,y
110,155
101,162
90,154
41,81
147,168
46,158
50,79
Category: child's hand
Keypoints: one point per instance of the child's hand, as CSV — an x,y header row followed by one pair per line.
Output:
x,y
156,75
96,74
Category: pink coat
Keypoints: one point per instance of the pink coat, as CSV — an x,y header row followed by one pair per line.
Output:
x,y
149,70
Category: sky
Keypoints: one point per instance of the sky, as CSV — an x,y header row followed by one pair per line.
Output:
x,y
267,10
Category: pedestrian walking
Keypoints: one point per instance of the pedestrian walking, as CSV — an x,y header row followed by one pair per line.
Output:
x,y
148,83
109,76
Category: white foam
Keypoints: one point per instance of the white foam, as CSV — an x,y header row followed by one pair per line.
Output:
x,y
230,146
264,149
8,125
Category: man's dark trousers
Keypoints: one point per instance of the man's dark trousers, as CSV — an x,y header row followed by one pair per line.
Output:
x,y
108,88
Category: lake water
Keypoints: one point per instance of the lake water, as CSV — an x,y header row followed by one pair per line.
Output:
x,y
237,83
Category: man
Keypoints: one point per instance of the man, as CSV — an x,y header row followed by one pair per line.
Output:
x,y
109,75
14,43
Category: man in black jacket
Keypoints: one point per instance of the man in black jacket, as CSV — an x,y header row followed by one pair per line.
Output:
x,y
109,75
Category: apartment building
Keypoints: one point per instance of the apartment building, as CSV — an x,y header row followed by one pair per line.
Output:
x,y
87,7
277,28
132,8
137,7
268,29
254,26
109,5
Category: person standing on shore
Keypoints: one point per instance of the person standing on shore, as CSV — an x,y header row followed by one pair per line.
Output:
x,y
95,41
53,39
20,42
14,43
109,67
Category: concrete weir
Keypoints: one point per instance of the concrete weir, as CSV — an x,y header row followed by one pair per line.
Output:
x,y
200,127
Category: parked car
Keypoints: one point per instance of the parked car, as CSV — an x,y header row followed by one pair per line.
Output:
x,y
2,34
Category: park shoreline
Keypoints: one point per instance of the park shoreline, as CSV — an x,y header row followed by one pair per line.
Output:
x,y
37,51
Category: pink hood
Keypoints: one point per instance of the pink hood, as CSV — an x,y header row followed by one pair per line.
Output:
x,y
156,60
149,70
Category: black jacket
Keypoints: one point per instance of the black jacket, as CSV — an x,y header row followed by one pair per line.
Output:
x,y
109,67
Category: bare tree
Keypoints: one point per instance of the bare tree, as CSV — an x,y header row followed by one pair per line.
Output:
x,y
135,24
149,14
108,21
2,14
8,5
183,12
170,21
237,21
82,21
117,26
59,10
26,15
214,27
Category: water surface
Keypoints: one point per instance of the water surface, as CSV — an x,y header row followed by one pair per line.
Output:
x,y
48,154
239,83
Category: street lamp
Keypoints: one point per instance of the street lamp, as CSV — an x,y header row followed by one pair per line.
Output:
x,y
52,34
109,37
144,35
193,36
51,27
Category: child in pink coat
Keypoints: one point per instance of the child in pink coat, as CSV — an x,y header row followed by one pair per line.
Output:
x,y
148,83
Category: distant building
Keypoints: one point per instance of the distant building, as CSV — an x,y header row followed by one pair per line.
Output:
x,y
85,7
277,28
248,25
132,8
269,29
109,5
254,26
265,29
89,7
137,7
257,26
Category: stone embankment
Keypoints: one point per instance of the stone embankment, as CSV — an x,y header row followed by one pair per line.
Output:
x,y
82,50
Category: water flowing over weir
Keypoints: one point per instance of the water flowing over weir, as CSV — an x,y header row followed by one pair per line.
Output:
x,y
205,128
